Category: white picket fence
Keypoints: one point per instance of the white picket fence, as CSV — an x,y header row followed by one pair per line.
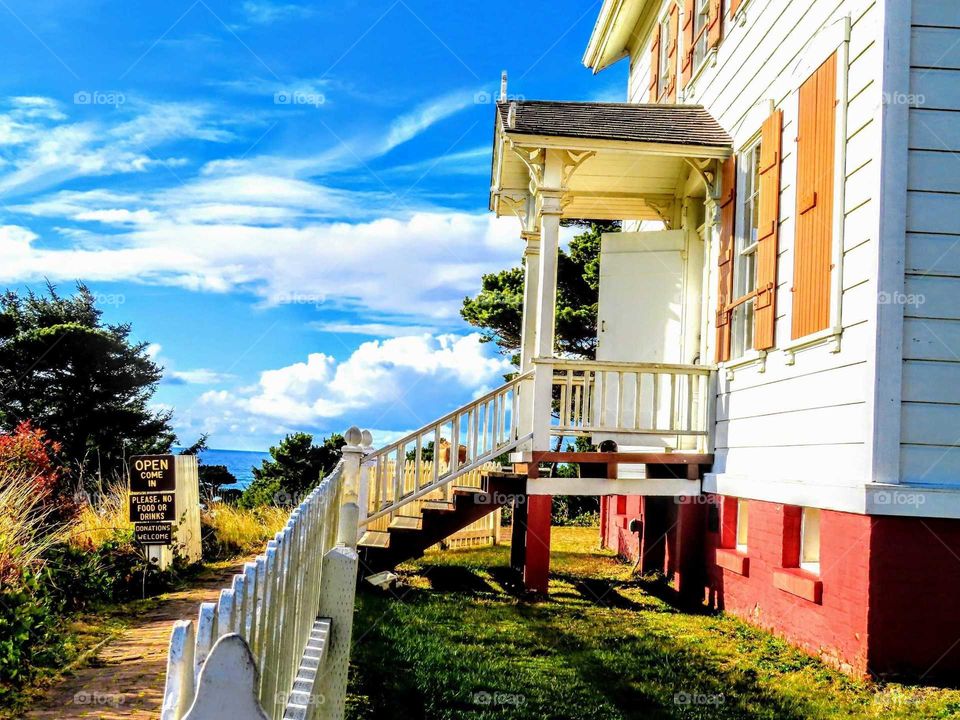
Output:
x,y
276,644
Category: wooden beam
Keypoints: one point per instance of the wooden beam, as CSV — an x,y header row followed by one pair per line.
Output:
x,y
636,458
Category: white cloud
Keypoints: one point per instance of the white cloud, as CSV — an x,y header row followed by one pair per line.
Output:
x,y
266,13
378,375
200,376
420,266
377,329
44,150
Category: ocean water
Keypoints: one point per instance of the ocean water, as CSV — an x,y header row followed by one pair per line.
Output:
x,y
238,462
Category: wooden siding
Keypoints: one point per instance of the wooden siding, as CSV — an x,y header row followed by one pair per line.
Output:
x,y
930,415
804,421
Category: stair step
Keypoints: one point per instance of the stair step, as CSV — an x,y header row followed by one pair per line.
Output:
x,y
375,538
466,490
440,505
406,523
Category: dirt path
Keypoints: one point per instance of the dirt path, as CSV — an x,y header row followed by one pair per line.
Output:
x,y
125,678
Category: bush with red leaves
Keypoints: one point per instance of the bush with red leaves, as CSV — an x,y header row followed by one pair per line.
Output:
x,y
27,451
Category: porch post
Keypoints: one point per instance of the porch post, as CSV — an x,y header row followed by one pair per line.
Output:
x,y
550,210
528,332
531,284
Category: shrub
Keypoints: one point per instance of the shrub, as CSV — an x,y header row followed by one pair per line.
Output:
x,y
28,452
30,635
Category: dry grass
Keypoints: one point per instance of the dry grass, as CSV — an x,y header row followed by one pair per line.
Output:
x,y
101,514
243,531
25,533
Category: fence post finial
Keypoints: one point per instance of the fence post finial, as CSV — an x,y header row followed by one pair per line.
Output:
x,y
349,502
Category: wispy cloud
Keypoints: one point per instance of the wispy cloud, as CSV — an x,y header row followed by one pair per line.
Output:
x,y
266,13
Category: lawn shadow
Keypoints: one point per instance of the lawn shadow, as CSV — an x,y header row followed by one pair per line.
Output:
x,y
456,578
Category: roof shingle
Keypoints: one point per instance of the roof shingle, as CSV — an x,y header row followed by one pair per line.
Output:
x,y
672,124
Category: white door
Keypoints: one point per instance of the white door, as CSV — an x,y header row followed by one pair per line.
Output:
x,y
640,313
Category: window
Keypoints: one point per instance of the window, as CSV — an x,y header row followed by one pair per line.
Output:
x,y
745,251
742,523
664,75
810,540
701,21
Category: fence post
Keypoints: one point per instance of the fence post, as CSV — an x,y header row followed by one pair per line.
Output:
x,y
363,496
337,596
349,496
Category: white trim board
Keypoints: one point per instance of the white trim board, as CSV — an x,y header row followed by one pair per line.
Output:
x,y
658,487
890,499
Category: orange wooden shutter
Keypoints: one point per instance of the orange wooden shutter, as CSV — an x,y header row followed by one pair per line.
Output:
x,y
813,246
672,54
715,26
728,207
655,66
734,6
686,71
768,232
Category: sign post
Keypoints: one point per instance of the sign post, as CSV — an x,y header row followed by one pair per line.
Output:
x,y
165,506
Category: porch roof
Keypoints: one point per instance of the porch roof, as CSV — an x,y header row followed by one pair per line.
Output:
x,y
672,124
621,161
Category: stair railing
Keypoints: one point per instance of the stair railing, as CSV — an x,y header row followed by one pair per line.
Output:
x,y
425,463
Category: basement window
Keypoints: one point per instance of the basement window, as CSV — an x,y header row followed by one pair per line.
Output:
x,y
742,523
810,540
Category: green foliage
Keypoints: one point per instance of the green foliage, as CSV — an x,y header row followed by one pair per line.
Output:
x,y
29,633
36,605
86,383
295,468
498,308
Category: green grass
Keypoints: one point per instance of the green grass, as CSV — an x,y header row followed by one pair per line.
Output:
x,y
457,639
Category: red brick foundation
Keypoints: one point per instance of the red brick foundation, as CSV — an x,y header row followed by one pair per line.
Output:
x,y
884,602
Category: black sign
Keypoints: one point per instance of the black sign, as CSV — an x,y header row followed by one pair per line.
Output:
x,y
153,533
152,507
149,473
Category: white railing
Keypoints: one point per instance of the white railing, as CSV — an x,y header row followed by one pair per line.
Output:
x,y
671,402
277,641
424,464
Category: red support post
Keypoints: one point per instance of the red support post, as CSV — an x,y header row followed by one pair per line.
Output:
x,y
536,566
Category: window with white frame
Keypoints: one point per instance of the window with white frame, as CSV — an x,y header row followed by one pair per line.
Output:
x,y
745,249
663,75
701,20
810,540
743,517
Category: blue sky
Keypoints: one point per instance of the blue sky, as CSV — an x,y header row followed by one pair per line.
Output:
x,y
288,201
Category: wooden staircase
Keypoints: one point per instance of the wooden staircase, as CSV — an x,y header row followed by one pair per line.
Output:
x,y
418,526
